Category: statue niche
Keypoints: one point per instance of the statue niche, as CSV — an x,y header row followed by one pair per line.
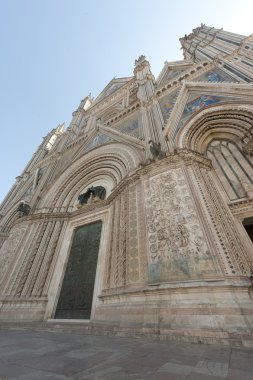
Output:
x,y
93,194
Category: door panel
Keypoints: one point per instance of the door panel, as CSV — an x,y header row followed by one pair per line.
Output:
x,y
76,295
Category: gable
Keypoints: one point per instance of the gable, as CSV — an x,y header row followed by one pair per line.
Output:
x,y
112,86
172,70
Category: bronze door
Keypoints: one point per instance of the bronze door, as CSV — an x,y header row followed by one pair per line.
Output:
x,y
76,295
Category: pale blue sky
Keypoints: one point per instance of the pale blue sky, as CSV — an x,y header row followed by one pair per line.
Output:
x,y
54,52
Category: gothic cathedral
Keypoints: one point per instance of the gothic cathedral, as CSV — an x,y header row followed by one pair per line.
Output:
x,y
138,217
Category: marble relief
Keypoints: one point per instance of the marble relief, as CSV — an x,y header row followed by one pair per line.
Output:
x,y
177,247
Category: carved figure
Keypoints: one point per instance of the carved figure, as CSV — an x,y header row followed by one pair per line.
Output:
x,y
93,193
99,192
140,59
24,208
155,149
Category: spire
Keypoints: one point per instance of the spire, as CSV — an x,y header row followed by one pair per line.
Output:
x,y
85,103
207,43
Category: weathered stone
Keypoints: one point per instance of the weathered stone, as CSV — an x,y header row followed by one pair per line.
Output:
x,y
167,167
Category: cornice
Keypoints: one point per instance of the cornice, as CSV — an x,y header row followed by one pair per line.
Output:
x,y
209,285
237,204
242,208
222,87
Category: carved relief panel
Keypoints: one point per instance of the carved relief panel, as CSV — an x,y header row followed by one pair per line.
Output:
x,y
176,244
9,248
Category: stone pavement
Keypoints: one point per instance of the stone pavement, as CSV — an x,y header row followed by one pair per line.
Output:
x,y
39,355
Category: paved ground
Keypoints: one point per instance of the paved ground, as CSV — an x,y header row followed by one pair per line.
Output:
x,y
38,355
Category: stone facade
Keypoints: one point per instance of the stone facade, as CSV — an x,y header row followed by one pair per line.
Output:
x,y
174,156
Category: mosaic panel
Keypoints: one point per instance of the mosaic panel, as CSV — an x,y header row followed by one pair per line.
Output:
x,y
131,127
199,102
216,75
98,140
167,103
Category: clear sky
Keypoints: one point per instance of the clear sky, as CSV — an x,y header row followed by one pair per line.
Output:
x,y
54,52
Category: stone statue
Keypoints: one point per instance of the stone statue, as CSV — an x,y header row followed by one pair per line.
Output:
x,y
156,150
140,60
99,192
83,198
24,208
93,193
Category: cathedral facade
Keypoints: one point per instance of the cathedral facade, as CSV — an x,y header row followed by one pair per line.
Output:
x,y
139,215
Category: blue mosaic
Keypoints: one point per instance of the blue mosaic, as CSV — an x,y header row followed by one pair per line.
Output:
x,y
130,129
215,76
167,103
198,103
98,140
